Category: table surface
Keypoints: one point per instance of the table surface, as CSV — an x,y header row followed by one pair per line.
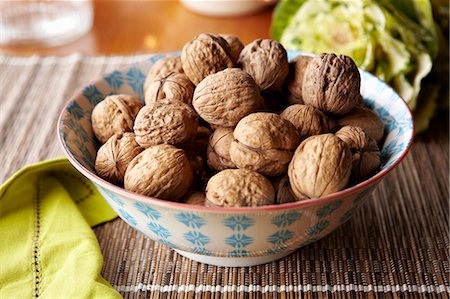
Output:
x,y
394,246
135,27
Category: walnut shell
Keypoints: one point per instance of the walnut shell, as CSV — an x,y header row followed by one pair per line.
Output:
x,y
264,142
266,61
365,152
239,188
307,119
294,80
224,98
206,54
114,156
283,190
331,83
162,68
273,101
235,44
361,116
218,152
160,171
321,165
114,115
165,122
173,87
195,198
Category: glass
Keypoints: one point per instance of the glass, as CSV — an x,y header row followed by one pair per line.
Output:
x,y
44,22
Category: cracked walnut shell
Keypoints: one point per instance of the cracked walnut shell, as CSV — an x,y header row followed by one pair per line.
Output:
x,y
361,116
321,165
218,152
162,68
165,122
266,61
222,99
294,80
239,188
161,171
307,119
331,83
365,151
264,142
206,54
173,87
114,156
114,115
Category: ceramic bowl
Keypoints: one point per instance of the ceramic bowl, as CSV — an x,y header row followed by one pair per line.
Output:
x,y
229,236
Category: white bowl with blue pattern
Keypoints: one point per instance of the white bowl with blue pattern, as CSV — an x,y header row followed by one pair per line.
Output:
x,y
229,236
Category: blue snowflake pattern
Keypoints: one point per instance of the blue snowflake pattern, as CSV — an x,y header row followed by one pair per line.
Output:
x,y
190,220
93,95
201,250
127,217
239,240
286,219
113,197
280,237
197,238
115,80
328,209
317,228
150,212
239,222
346,216
238,253
158,230
74,109
136,79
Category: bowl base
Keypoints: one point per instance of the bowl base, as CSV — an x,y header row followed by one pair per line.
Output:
x,y
233,261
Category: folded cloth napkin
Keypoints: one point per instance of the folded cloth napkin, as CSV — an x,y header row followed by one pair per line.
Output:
x,y
47,248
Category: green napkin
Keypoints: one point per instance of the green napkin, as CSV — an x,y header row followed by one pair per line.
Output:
x,y
47,248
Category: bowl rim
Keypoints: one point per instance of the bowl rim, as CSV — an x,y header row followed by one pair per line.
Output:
x,y
180,205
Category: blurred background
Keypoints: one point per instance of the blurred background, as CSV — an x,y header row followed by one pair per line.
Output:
x,y
403,42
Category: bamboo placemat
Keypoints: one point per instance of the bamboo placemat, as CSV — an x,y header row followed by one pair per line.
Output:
x,y
394,246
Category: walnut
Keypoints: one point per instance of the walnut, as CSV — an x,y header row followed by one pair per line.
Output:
x,y
239,188
235,44
165,122
264,142
331,83
206,54
195,198
294,80
307,119
114,156
218,152
162,68
283,190
365,151
114,115
160,171
273,101
223,98
321,165
173,87
266,61
363,117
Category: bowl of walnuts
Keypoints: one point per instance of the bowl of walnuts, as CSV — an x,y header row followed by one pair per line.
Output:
x,y
236,155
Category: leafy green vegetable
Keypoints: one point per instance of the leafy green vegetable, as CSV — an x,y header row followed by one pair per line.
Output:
x,y
394,39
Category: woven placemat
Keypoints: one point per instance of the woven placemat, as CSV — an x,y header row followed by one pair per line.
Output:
x,y
396,245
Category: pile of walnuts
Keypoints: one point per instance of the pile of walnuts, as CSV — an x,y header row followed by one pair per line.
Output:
x,y
229,126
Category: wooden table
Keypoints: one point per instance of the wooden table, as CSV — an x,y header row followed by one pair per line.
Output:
x,y
132,27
